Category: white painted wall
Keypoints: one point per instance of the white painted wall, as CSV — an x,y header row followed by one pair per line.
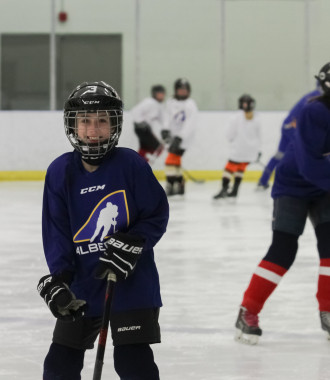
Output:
x,y
266,52
31,140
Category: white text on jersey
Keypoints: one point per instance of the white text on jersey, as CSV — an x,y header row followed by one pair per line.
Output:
x,y
91,189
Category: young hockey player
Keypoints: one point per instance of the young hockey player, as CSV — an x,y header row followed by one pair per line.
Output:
x,y
103,211
301,189
287,131
148,121
243,135
180,124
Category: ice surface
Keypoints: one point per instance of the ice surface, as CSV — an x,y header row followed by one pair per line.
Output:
x,y
205,261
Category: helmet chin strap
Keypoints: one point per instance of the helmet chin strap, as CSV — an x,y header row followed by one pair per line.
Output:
x,y
97,160
93,161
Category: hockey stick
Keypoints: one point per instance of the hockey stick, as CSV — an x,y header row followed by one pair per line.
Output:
x,y
259,162
192,178
104,327
153,157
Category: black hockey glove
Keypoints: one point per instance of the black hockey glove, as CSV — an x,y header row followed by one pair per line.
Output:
x,y
166,135
259,156
120,257
175,146
142,127
59,298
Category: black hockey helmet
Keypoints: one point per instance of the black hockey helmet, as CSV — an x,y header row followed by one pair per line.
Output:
x,y
323,78
157,88
181,83
99,98
246,103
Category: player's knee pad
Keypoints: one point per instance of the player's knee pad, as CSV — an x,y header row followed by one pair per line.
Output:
x,y
283,249
63,363
323,240
135,361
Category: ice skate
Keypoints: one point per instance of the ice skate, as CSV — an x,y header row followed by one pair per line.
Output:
x,y
176,188
232,194
169,189
247,327
222,194
179,188
325,322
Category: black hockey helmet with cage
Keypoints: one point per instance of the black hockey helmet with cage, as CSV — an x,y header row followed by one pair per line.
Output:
x,y
246,103
89,98
182,83
323,78
157,88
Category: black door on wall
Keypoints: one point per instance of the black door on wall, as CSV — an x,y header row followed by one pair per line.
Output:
x,y
25,67
83,58
24,72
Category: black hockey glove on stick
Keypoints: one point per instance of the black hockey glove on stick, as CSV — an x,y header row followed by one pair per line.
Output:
x,y
258,157
120,256
257,161
59,298
142,127
175,146
166,135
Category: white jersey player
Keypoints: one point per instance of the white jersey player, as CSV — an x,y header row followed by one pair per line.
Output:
x,y
148,119
180,125
244,136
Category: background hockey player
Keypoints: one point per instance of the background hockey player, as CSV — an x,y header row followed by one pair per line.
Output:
x,y
244,136
148,122
287,131
301,189
82,188
180,124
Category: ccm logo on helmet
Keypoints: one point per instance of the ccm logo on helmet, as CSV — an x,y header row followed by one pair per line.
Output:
x,y
90,101
91,189
124,247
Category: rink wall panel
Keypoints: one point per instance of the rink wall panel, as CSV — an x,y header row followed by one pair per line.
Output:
x,y
30,140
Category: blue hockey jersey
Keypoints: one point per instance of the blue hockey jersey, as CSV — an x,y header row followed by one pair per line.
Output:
x,y
289,123
304,171
82,209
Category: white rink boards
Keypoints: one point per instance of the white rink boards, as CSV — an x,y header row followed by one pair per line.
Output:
x,y
205,261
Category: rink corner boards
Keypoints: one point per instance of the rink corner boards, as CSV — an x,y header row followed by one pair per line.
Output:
x,y
206,175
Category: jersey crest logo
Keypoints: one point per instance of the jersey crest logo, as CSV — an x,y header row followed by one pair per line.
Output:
x,y
109,215
180,117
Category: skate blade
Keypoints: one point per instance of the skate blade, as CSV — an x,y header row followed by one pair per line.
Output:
x,y
327,333
249,339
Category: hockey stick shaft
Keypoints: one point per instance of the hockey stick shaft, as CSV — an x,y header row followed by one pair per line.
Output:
x,y
192,177
104,327
259,163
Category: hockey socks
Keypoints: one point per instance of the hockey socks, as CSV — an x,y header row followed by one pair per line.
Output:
x,y
135,361
279,258
323,291
323,243
263,282
63,363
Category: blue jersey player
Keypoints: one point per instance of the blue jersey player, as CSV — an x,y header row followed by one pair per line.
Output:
x,y
103,211
301,189
287,132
